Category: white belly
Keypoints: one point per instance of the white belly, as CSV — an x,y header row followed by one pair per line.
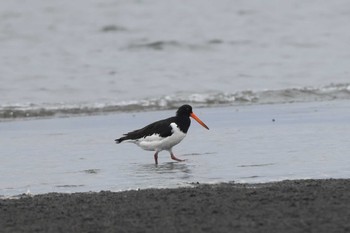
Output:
x,y
157,143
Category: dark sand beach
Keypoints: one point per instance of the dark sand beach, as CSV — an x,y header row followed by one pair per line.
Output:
x,y
287,206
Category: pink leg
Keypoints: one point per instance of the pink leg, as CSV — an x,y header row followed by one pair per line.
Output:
x,y
174,158
156,157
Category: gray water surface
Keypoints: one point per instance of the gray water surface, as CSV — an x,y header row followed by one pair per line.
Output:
x,y
244,144
96,53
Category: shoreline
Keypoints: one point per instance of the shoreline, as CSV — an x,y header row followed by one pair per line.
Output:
x,y
251,144
64,114
286,206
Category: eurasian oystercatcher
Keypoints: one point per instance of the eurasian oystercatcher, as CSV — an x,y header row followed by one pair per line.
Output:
x,y
163,134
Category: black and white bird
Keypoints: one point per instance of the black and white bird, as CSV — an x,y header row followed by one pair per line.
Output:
x,y
163,134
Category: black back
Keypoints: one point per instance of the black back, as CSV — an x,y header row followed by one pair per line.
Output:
x,y
162,127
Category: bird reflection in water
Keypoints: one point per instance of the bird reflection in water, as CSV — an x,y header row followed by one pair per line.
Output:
x,y
175,169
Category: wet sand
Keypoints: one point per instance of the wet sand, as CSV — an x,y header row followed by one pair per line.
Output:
x,y
288,206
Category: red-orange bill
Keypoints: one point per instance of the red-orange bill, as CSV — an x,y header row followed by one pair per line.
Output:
x,y
199,120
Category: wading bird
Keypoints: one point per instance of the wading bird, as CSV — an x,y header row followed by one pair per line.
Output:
x,y
163,134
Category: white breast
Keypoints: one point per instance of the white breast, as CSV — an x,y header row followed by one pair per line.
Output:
x,y
156,143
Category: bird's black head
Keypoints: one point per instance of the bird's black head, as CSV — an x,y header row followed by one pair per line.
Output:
x,y
184,110
184,113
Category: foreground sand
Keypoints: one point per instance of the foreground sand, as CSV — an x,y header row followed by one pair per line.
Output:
x,y
288,206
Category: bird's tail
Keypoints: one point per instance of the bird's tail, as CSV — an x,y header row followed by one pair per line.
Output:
x,y
119,140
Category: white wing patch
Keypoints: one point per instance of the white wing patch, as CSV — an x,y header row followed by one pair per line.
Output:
x,y
156,143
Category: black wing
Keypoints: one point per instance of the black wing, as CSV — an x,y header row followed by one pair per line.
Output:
x,y
161,127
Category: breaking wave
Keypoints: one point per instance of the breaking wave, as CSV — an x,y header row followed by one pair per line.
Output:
x,y
306,94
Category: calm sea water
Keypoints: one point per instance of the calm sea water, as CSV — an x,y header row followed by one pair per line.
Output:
x,y
91,56
244,144
288,61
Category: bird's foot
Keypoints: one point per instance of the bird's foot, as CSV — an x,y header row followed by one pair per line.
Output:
x,y
174,158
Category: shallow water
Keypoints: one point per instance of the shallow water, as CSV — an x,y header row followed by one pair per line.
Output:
x,y
244,144
102,56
